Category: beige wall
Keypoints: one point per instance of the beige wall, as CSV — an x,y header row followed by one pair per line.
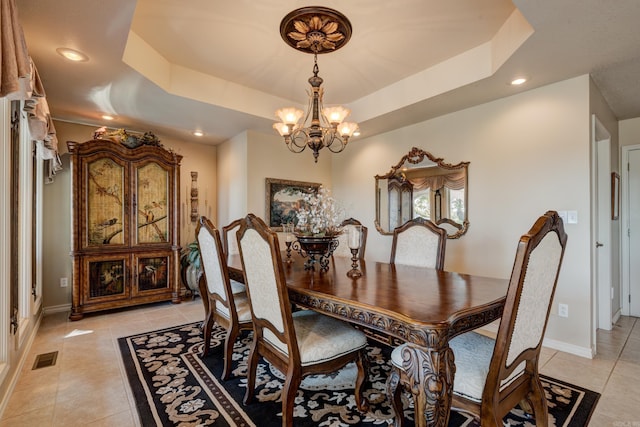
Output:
x,y
245,161
232,180
629,132
57,203
269,158
56,239
529,153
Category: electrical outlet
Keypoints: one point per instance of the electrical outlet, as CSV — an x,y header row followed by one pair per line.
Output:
x,y
64,282
563,310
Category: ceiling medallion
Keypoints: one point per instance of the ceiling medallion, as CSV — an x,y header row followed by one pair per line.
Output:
x,y
315,30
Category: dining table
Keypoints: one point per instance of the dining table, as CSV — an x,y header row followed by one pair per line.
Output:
x,y
396,304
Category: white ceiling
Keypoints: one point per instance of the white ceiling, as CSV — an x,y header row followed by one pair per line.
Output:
x,y
172,66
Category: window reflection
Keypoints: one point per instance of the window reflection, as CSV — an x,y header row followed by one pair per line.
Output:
x,y
421,185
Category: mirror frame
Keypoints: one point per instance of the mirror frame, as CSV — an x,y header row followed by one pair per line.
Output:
x,y
415,156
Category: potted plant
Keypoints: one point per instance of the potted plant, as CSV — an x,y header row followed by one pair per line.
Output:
x,y
191,266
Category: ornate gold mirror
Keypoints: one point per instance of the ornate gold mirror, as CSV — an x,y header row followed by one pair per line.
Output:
x,y
422,185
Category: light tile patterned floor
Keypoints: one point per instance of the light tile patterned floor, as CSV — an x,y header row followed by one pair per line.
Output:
x,y
88,387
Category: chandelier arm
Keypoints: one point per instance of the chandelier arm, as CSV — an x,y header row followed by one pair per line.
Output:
x,y
336,137
298,141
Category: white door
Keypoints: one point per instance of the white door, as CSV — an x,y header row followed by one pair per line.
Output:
x,y
603,234
633,213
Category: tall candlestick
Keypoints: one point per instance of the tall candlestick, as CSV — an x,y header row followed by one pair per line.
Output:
x,y
288,239
354,236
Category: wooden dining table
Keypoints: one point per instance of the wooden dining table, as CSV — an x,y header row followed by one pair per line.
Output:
x,y
401,304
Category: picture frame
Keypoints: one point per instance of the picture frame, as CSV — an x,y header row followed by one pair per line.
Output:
x,y
615,195
283,197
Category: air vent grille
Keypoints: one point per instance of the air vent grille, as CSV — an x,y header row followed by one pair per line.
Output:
x,y
45,359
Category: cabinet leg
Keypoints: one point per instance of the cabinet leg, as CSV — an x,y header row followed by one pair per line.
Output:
x,y
75,315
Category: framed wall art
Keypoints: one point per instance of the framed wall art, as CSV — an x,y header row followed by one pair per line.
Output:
x,y
283,199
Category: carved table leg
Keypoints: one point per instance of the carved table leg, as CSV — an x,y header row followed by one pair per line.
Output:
x,y
430,375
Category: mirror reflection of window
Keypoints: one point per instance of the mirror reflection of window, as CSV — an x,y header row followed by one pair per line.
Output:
x,y
422,203
422,185
456,205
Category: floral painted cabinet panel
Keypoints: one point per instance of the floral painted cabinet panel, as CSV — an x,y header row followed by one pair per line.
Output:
x,y
106,199
125,225
152,190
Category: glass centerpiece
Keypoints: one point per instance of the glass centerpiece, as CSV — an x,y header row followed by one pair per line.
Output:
x,y
319,219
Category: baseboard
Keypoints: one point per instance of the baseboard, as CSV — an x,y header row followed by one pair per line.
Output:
x,y
57,308
492,330
616,316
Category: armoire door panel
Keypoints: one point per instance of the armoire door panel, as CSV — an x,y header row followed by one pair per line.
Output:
x,y
152,199
106,203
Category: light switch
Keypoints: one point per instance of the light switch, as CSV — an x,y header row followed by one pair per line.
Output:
x,y
563,216
572,217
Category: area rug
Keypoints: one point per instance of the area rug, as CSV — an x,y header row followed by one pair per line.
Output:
x,y
173,386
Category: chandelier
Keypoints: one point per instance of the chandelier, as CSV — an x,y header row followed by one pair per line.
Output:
x,y
315,30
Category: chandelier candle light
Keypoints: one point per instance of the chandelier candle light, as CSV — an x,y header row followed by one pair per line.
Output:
x,y
315,30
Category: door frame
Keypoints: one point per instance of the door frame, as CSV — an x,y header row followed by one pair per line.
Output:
x,y
601,301
624,227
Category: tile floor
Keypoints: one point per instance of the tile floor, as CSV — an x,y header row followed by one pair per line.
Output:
x,y
88,387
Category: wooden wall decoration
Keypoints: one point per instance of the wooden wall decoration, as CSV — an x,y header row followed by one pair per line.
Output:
x,y
194,196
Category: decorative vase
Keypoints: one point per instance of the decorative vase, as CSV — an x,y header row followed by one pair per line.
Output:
x,y
131,141
315,246
191,278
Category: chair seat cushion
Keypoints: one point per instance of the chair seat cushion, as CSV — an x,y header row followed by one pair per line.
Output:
x,y
472,355
242,308
237,287
321,338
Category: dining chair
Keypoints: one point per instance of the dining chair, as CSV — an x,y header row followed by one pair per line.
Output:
x,y
343,239
493,376
420,243
297,343
226,302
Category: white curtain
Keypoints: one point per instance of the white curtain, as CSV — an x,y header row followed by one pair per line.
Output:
x,y
454,180
19,80
15,67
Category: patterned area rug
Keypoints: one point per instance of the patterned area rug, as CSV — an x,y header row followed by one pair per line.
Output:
x,y
173,385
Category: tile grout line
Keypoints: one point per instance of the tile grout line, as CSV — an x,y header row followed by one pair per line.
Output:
x,y
615,363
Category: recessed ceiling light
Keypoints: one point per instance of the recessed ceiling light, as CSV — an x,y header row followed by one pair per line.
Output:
x,y
72,55
356,133
518,81
198,133
107,117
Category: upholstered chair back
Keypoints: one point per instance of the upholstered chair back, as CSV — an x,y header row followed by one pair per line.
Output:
x,y
343,249
225,301
419,243
266,286
211,257
531,289
229,241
